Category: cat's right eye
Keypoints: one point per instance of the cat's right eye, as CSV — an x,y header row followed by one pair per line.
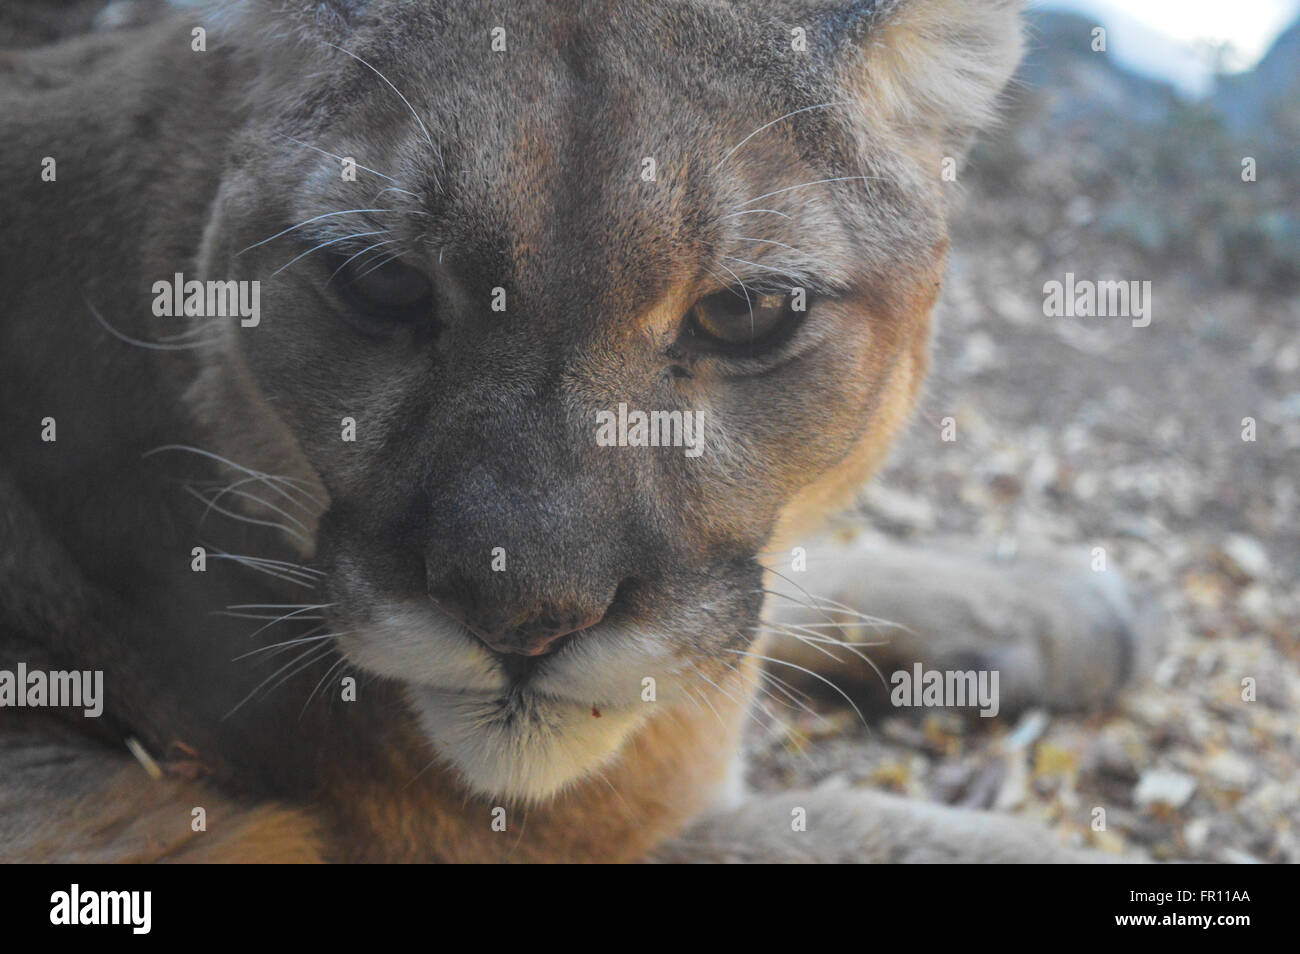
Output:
x,y
390,291
741,321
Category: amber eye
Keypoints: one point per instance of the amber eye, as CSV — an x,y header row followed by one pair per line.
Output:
x,y
734,319
392,291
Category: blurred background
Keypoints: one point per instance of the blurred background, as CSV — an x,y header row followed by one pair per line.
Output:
x,y
1121,163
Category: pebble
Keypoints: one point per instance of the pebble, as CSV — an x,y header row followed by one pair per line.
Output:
x,y
1164,787
1231,770
1246,557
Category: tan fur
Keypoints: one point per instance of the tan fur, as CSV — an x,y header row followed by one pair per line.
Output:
x,y
902,376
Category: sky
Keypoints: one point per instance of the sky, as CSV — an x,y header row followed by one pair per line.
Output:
x,y
1170,38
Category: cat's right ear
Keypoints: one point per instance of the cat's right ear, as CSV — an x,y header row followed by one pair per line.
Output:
x,y
928,69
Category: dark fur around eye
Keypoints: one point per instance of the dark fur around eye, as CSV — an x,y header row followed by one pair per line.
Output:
x,y
385,291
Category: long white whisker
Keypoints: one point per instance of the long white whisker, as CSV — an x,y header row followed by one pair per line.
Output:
x,y
272,618
311,655
267,479
138,342
244,517
342,660
315,218
732,215
380,264
298,577
790,630
233,490
288,642
746,291
341,159
326,244
706,701
272,479
806,109
809,672
804,185
281,619
785,272
413,195
424,129
368,248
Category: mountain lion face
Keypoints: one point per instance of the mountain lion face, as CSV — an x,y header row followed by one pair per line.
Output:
x,y
575,312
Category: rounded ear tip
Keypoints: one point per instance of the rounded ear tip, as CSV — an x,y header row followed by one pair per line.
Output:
x,y
936,65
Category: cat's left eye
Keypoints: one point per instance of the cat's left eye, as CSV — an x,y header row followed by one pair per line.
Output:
x,y
390,291
738,319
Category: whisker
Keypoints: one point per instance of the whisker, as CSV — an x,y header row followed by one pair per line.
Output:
x,y
265,503
342,661
787,273
315,218
138,342
815,644
272,480
757,685
705,698
802,699
413,195
809,672
781,576
424,129
805,109
732,215
775,730
804,185
276,574
288,642
273,619
279,606
368,248
384,261
284,566
314,651
326,244
786,630
340,159
245,518
628,811
828,604
745,708
299,613
749,303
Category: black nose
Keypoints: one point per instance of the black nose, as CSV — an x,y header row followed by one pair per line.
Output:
x,y
531,631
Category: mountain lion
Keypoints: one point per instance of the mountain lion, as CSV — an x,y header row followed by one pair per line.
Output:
x,y
408,407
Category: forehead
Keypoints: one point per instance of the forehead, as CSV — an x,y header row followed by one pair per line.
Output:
x,y
612,149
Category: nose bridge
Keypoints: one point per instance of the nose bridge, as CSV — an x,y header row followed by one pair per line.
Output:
x,y
520,546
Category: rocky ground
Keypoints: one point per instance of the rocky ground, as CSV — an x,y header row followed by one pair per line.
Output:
x,y
1089,432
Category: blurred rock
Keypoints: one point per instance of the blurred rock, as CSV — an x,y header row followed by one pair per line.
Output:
x,y
1164,787
1245,557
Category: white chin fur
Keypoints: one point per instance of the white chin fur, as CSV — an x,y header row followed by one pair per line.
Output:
x,y
527,749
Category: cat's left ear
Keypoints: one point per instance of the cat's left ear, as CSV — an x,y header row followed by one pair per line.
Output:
x,y
924,68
